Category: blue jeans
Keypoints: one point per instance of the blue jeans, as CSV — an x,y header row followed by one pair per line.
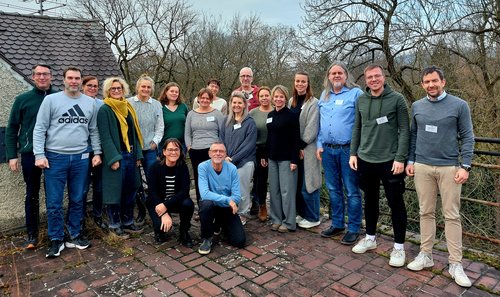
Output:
x,y
95,177
123,213
32,176
73,170
339,177
310,203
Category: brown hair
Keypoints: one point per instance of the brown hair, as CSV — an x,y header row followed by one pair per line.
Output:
x,y
163,95
309,92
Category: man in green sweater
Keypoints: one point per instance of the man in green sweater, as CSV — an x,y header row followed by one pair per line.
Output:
x,y
19,140
379,148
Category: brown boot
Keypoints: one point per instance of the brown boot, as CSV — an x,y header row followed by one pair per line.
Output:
x,y
263,213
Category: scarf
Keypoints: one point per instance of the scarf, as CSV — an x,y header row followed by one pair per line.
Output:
x,y
122,108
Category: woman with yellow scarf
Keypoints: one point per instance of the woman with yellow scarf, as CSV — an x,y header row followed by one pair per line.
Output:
x,y
121,142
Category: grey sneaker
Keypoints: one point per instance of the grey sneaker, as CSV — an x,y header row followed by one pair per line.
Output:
x,y
205,247
397,258
56,246
78,242
457,273
423,260
364,245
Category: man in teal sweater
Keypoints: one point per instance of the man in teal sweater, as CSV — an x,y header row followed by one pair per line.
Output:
x,y
440,156
19,140
379,148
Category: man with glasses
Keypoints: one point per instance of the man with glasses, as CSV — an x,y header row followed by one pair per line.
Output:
x,y
379,148
65,122
19,140
220,195
250,91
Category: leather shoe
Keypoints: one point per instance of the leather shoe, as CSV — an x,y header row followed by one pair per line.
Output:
x,y
185,239
330,232
349,238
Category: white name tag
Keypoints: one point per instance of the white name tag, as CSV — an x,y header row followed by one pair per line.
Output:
x,y
269,120
210,119
382,120
431,128
339,102
250,96
85,156
237,126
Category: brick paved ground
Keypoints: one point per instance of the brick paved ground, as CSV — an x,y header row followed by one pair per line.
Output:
x,y
274,264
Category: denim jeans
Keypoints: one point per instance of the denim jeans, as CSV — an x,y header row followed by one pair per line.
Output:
x,y
310,203
73,170
32,176
340,178
94,177
123,213
149,158
211,214
185,209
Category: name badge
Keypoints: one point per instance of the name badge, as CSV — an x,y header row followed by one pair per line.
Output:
x,y
431,128
85,156
382,120
210,119
339,102
250,96
269,120
237,126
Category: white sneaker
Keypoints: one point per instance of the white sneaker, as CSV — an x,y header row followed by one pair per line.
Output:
x,y
364,245
457,273
397,258
423,260
298,219
306,224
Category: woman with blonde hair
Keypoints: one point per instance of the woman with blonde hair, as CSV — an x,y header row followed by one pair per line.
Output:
x,y
240,136
121,142
282,157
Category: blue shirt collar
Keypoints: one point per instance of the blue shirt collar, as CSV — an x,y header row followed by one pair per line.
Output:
x,y
439,98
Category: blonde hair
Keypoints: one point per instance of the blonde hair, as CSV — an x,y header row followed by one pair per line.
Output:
x,y
282,89
145,78
106,86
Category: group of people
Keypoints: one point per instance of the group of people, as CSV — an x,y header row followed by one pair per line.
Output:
x,y
260,139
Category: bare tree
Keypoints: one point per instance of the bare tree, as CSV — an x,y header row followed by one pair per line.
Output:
x,y
123,25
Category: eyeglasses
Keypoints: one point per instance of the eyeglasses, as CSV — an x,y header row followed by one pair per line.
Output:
x,y
92,86
372,77
116,89
245,76
173,150
40,74
218,151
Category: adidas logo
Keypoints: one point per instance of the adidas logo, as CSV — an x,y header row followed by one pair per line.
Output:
x,y
74,115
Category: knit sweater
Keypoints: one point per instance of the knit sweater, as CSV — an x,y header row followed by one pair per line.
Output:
x,y
157,186
219,187
203,129
174,123
19,130
283,136
260,118
150,118
381,127
441,132
240,140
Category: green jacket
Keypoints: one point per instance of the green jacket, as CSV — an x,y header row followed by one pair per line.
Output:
x,y
381,131
111,153
22,119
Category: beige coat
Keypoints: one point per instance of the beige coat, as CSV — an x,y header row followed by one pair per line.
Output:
x,y
309,127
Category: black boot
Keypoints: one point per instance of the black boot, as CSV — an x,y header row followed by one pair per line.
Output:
x,y
185,239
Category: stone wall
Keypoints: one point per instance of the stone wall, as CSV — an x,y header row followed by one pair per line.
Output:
x,y
11,183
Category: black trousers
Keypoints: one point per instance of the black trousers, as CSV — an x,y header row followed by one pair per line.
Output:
x,y
211,215
260,178
185,209
370,175
197,156
32,176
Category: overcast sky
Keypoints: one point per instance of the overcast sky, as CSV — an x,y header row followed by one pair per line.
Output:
x,y
271,12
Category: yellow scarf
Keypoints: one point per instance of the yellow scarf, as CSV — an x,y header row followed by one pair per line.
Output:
x,y
122,108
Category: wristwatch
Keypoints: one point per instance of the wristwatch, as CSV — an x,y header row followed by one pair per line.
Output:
x,y
465,167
